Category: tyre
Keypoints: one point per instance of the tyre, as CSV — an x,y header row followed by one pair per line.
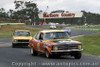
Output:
x,y
48,55
33,52
13,45
78,55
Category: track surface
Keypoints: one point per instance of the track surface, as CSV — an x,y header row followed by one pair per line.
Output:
x,y
21,57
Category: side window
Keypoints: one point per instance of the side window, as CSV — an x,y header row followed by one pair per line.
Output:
x,y
41,36
37,36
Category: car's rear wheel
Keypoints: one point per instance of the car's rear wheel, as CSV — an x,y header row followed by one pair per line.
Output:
x,y
48,55
33,52
78,55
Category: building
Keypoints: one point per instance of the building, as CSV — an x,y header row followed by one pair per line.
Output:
x,y
61,16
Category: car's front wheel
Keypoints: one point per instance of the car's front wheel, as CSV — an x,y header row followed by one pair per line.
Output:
x,y
48,55
33,52
78,55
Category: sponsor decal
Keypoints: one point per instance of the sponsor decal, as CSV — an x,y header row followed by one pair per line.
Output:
x,y
60,15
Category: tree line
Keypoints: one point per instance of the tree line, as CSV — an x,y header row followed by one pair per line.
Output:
x,y
23,11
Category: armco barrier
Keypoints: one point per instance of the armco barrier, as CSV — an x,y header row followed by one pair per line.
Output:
x,y
11,24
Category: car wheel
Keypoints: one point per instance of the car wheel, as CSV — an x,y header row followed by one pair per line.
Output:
x,y
13,45
33,52
78,55
48,54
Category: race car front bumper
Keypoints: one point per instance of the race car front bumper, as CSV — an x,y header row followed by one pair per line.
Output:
x,y
71,50
20,42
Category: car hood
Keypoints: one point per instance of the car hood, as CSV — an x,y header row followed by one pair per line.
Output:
x,y
22,37
70,42
63,42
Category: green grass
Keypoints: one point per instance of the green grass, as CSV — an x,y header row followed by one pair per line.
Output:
x,y
8,30
91,28
91,44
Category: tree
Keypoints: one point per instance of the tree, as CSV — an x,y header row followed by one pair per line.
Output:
x,y
11,13
18,4
32,11
2,13
27,10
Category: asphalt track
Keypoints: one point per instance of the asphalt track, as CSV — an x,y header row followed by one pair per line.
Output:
x,y
21,57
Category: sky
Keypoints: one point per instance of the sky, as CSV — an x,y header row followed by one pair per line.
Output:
x,y
67,5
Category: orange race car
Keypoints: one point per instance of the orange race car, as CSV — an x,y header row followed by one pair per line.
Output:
x,y
55,43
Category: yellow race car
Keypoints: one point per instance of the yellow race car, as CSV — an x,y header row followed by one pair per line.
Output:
x,y
21,38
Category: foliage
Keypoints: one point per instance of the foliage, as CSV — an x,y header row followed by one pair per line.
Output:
x,y
24,11
3,13
91,44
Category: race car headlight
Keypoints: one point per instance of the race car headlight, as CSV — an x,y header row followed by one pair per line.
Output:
x,y
55,48
79,47
15,40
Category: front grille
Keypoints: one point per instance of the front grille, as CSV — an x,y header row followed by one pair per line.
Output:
x,y
66,47
23,40
62,47
73,47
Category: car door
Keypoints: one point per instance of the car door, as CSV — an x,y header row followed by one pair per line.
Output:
x,y
38,43
41,43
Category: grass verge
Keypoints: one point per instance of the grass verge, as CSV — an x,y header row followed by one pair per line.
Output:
x,y
86,28
8,30
91,44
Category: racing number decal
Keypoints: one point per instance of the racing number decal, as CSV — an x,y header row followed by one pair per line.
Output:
x,y
38,47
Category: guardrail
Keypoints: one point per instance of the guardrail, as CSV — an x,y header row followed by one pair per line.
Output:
x,y
11,24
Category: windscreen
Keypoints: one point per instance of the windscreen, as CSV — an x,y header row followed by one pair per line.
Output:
x,y
22,33
56,35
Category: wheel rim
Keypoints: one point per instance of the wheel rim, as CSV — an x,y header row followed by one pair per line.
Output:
x,y
47,54
31,50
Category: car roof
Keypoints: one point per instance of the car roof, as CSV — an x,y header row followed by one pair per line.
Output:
x,y
48,31
22,30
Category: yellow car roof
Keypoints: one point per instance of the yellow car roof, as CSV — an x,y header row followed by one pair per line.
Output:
x,y
22,30
48,31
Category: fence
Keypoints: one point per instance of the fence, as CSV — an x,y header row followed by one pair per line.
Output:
x,y
11,24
